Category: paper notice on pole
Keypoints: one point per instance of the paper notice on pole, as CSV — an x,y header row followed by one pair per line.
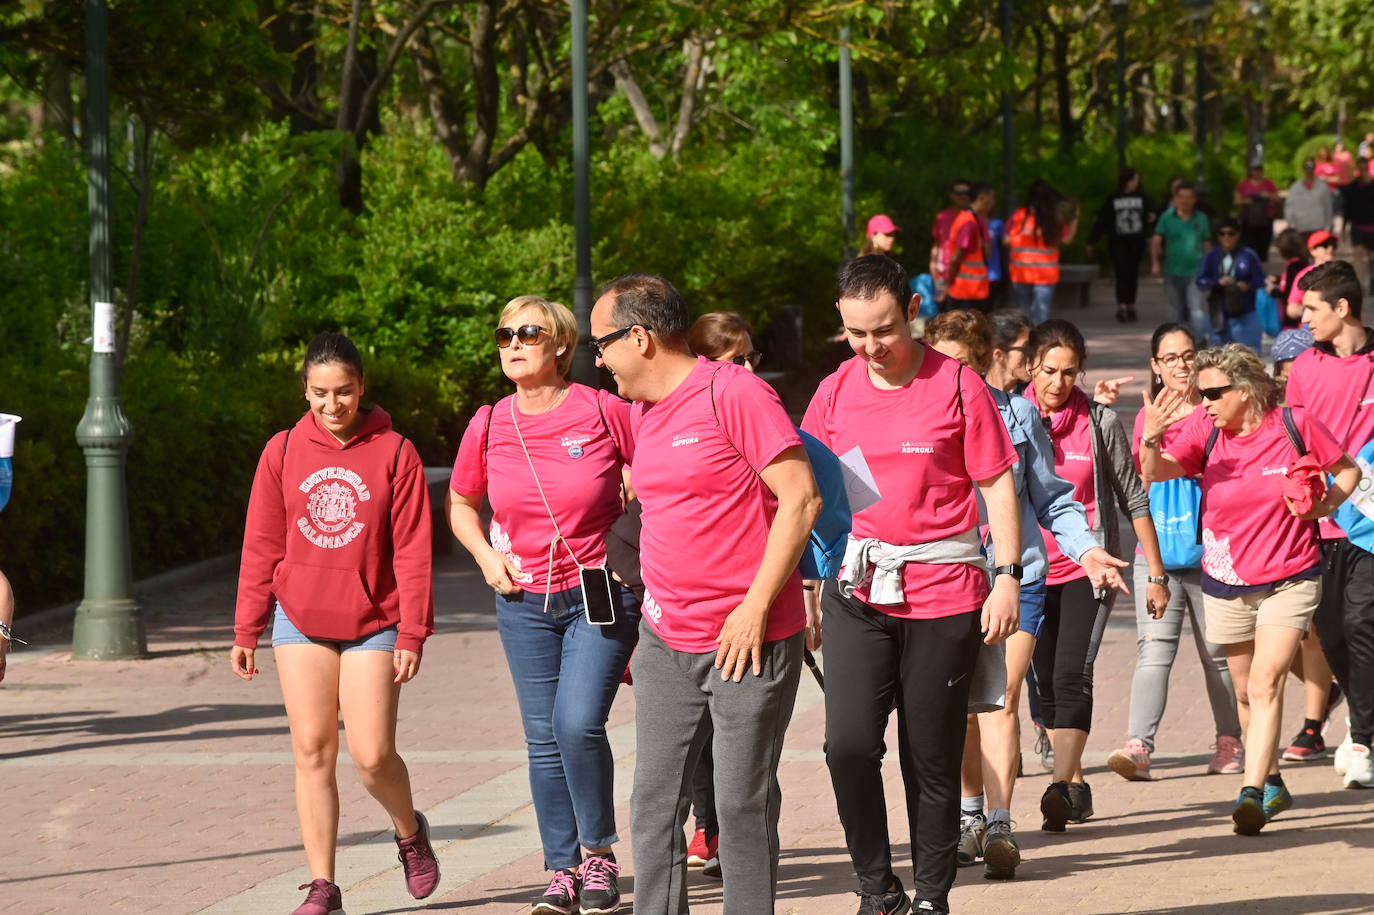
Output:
x,y
1363,496
859,484
103,327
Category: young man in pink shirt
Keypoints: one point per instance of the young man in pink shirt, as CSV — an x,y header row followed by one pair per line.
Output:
x,y
904,627
1334,381
728,503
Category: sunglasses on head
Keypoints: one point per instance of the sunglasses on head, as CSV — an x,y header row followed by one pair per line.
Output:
x,y
752,358
1214,393
528,334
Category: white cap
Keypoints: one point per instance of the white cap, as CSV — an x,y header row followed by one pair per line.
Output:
x,y
7,421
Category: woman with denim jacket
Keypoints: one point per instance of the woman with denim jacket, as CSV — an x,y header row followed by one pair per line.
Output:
x,y
993,747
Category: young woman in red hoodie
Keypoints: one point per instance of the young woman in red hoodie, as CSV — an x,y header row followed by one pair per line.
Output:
x,y
336,549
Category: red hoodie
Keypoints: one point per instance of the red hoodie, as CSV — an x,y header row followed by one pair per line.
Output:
x,y
340,535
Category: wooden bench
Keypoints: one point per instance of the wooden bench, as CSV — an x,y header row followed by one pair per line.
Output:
x,y
1075,283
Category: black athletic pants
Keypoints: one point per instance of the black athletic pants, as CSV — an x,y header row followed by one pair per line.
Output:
x,y
872,662
1345,624
1065,653
1126,254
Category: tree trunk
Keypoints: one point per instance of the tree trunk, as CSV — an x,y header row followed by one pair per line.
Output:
x,y
1178,91
294,33
487,83
444,110
1068,128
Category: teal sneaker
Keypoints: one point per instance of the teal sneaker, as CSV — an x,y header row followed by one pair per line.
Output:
x,y
1249,815
1276,800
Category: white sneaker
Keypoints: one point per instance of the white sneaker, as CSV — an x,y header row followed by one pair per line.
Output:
x,y
1343,751
1360,772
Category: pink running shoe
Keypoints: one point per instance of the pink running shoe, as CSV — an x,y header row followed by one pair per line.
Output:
x,y
324,898
600,894
418,861
561,896
1229,759
1131,762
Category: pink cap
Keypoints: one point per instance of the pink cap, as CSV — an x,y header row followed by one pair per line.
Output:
x,y
882,223
1320,237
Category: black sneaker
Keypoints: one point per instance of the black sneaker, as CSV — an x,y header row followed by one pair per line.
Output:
x,y
1081,802
600,893
893,902
1001,853
561,896
1056,807
929,908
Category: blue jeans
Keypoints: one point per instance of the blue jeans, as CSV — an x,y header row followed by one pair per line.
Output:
x,y
1034,299
1189,305
1242,329
566,674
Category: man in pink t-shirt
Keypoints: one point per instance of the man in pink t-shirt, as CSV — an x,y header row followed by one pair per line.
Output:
x,y
926,435
728,503
1334,381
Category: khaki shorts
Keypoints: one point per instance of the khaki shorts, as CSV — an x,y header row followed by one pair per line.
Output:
x,y
1233,619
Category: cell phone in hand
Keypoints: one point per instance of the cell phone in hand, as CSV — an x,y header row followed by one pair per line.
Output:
x,y
597,601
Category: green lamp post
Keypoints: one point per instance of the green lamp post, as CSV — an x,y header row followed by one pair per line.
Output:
x,y
108,623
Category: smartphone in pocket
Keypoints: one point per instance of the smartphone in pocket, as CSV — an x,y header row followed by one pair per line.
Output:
x,y
597,600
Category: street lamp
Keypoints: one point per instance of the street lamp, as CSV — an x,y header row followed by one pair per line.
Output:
x,y
108,623
584,362
1198,10
1119,8
846,140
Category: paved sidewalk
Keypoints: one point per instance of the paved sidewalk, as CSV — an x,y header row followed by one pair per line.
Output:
x,y
165,785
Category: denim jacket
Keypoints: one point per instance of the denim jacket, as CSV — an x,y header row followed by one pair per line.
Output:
x,y
1046,498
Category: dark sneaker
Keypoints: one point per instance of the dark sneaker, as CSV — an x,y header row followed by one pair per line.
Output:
x,y
1056,807
324,898
893,902
927,907
1276,800
1001,853
600,888
1249,813
1306,747
1081,802
971,828
418,860
561,896
712,866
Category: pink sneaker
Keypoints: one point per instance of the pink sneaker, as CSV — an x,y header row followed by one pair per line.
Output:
x,y
1131,762
1229,759
418,861
324,898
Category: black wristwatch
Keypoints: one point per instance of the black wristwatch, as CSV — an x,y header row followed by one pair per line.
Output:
x,y
1014,570
1158,579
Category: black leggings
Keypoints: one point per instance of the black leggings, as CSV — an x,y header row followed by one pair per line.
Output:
x,y
1126,254
1065,652
874,662
1345,624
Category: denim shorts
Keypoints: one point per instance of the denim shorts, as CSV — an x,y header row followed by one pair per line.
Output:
x,y
1032,606
284,632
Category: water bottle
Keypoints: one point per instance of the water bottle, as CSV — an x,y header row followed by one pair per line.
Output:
x,y
7,422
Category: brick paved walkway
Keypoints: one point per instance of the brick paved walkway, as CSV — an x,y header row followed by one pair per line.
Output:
x,y
165,785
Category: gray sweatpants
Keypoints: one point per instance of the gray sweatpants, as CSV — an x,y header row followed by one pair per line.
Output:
x,y
673,692
1157,645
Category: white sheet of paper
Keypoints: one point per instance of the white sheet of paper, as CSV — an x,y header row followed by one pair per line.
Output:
x,y
859,484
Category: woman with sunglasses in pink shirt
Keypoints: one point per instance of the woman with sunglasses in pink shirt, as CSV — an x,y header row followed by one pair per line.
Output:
x,y
550,460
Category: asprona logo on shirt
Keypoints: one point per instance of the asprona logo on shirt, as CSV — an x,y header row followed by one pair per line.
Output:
x,y
1078,456
651,609
918,448
679,440
333,494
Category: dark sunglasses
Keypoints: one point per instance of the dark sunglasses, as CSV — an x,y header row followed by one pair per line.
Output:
x,y
600,343
753,359
528,334
1214,393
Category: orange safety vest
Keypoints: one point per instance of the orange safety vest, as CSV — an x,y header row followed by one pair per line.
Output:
x,y
972,279
1033,259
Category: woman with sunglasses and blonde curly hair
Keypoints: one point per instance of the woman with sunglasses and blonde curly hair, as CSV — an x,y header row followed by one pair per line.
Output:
x,y
1261,563
550,458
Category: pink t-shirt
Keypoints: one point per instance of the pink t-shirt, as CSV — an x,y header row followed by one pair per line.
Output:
x,y
1248,535
925,451
1328,172
944,221
1249,187
1339,392
579,466
1344,161
1295,294
1073,460
707,512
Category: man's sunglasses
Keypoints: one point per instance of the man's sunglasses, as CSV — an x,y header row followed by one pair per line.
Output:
x,y
528,334
600,343
753,359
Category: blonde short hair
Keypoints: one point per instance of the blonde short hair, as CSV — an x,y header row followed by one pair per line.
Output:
x,y
561,324
1244,370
